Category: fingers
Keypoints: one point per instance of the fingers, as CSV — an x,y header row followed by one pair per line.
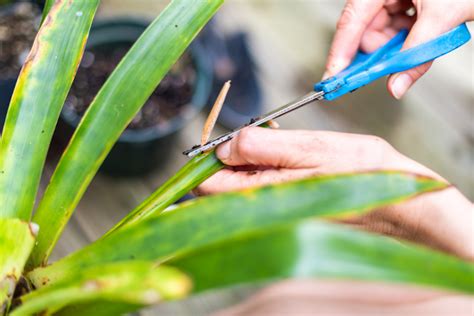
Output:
x,y
266,147
229,180
384,28
429,24
398,84
275,156
374,39
355,18
375,34
397,6
284,149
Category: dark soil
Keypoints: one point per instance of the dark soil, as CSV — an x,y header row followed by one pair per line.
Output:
x,y
170,98
18,28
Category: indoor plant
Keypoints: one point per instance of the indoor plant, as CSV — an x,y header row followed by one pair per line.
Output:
x,y
203,244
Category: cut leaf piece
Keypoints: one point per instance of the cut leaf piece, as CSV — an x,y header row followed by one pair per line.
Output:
x,y
16,241
214,114
318,249
135,283
212,219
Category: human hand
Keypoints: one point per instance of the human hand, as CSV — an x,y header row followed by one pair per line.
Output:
x,y
331,297
259,156
369,24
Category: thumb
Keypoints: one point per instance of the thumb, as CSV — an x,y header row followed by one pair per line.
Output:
x,y
265,147
422,31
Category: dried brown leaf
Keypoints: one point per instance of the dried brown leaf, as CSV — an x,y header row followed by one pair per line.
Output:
x,y
216,109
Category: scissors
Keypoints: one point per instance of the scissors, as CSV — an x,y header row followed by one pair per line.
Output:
x,y
364,69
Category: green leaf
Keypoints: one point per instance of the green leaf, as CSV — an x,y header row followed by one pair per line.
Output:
x,y
313,249
125,91
16,241
187,178
211,219
47,7
134,283
39,94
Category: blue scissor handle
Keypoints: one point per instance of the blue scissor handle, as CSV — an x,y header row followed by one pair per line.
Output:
x,y
388,59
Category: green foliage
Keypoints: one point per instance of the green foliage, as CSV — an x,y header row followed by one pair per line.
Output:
x,y
135,283
250,236
216,218
316,249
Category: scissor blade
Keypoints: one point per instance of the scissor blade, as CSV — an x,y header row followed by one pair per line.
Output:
x,y
287,108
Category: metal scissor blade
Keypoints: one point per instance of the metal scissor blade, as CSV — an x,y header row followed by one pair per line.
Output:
x,y
287,108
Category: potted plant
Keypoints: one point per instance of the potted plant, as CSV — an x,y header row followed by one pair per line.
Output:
x,y
180,96
204,244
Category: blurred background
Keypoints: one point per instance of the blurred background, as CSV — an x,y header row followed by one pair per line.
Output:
x,y
274,51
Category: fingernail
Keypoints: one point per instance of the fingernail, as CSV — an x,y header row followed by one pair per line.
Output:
x,y
400,85
325,75
223,151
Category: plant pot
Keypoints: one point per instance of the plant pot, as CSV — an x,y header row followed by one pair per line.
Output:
x,y
140,150
6,90
18,27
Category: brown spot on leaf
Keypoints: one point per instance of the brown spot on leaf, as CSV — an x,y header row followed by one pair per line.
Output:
x,y
31,56
44,280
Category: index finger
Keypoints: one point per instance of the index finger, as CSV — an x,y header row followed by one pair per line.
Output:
x,y
355,17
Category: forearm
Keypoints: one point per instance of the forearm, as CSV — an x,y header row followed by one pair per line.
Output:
x,y
443,220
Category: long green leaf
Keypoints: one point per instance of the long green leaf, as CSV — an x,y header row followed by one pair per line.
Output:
x,y
314,249
117,102
39,94
16,241
187,178
311,250
211,219
132,282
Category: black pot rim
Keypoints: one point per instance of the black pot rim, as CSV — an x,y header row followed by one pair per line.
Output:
x,y
201,88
